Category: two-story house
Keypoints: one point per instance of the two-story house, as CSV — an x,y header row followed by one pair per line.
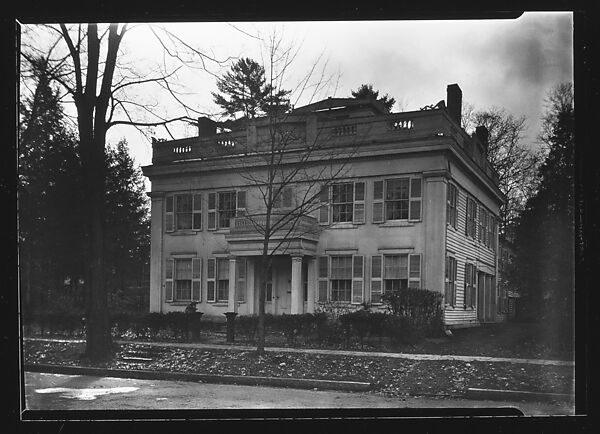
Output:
x,y
417,205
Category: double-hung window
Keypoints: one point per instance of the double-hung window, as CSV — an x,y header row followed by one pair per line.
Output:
x,y
452,205
483,235
471,220
183,212
393,273
470,285
182,279
217,279
223,206
341,278
450,289
342,202
397,199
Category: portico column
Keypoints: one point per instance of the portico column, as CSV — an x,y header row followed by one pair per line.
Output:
x,y
250,273
297,302
231,302
312,278
156,252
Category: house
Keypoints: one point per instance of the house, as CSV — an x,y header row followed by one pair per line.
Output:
x,y
417,205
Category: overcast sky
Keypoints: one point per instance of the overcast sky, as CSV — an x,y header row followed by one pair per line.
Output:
x,y
505,63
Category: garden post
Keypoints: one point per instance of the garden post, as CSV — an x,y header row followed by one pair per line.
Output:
x,y
230,325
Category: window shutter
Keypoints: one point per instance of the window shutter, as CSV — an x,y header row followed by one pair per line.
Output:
x,y
414,270
414,205
358,214
211,294
324,208
169,215
480,232
241,203
197,212
376,289
323,278
358,278
212,211
197,279
287,197
169,279
378,202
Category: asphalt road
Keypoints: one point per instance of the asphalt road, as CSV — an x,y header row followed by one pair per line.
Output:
x,y
77,392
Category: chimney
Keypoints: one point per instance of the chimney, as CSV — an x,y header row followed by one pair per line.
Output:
x,y
454,102
482,134
206,127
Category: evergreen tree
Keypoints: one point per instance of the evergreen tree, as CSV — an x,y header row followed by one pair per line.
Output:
x,y
366,91
244,89
545,235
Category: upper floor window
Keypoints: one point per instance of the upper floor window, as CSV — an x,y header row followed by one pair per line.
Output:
x,y
471,220
284,198
342,203
397,199
223,206
452,205
183,212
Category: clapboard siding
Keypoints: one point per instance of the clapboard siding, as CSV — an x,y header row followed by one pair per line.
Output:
x,y
464,249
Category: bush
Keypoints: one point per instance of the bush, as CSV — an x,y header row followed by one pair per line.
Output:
x,y
247,325
356,324
419,311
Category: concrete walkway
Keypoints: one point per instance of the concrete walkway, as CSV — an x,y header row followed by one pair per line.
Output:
x,y
406,356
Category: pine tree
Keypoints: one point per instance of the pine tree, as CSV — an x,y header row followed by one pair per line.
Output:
x,y
244,89
366,91
545,235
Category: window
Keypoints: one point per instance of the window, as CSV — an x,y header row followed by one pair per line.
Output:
x,y
217,279
483,235
182,279
342,200
284,198
183,212
470,285
397,199
341,278
450,289
347,203
393,273
226,208
222,279
491,238
452,205
471,221
223,206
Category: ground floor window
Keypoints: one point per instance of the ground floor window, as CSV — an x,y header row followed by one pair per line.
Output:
x,y
182,279
341,278
393,273
222,279
450,281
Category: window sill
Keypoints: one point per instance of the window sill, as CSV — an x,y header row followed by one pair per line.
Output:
x,y
221,231
183,232
344,225
218,303
180,303
396,223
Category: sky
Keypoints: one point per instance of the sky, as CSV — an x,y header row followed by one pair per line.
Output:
x,y
504,63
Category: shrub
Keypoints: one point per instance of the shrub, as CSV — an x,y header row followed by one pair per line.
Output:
x,y
247,325
420,308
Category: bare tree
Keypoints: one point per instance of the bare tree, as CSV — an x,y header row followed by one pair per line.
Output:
x,y
84,60
289,165
517,164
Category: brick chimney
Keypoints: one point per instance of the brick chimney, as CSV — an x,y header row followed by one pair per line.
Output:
x,y
454,102
206,127
482,134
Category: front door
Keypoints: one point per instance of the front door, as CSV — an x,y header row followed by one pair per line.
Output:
x,y
486,297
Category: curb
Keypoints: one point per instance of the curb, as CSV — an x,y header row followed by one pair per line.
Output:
x,y
296,383
515,395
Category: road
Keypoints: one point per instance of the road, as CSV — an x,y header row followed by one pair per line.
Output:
x,y
77,392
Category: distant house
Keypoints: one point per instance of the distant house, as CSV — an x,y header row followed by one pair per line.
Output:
x,y
418,207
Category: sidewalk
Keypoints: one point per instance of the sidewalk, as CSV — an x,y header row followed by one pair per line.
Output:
x,y
406,356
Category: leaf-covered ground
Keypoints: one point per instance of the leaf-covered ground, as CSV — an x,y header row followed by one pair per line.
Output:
x,y
392,377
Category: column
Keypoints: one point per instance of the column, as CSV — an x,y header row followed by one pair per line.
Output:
x,y
156,252
231,301
250,264
312,279
296,301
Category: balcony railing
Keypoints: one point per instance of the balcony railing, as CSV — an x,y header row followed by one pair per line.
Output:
x,y
254,225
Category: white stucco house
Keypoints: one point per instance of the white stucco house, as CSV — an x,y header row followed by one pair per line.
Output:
x,y
417,205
